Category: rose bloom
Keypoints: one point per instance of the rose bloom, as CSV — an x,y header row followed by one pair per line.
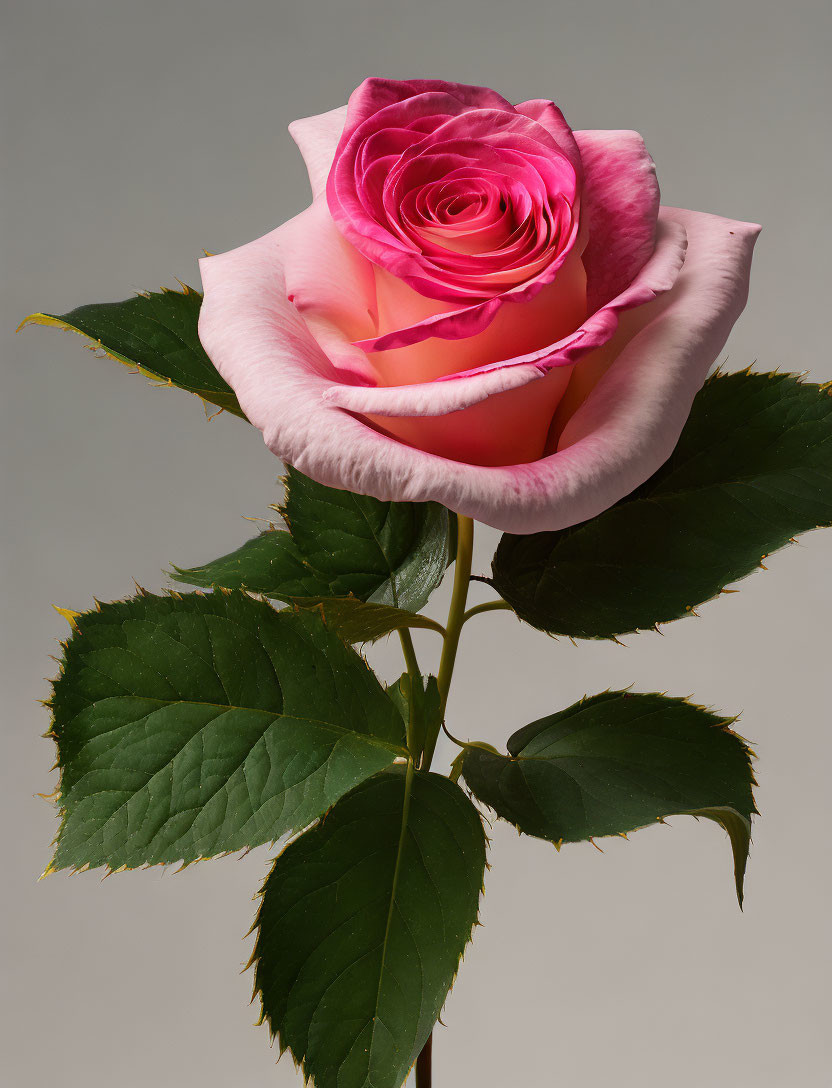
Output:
x,y
480,307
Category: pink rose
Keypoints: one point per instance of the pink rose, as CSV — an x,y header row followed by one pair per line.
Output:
x,y
480,307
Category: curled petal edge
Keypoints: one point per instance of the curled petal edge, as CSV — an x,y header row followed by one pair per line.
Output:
x,y
316,138
620,203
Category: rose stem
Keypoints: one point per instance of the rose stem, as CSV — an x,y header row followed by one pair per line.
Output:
x,y
423,1065
453,627
415,674
456,618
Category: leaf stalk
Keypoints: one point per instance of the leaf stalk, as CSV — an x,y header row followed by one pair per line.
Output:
x,y
487,606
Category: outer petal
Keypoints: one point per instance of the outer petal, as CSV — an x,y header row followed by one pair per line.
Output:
x,y
625,429
621,204
324,274
376,93
317,137
330,284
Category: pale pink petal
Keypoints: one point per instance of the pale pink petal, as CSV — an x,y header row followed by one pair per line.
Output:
x,y
620,205
323,271
330,284
317,137
432,398
625,429
641,403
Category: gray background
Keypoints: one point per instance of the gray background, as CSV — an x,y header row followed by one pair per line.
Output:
x,y
134,135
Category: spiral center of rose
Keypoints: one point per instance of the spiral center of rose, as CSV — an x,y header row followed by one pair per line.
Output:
x,y
463,214
461,204
482,218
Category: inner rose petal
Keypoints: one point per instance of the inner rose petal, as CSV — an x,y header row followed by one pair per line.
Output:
x,y
463,215
523,199
463,204
555,311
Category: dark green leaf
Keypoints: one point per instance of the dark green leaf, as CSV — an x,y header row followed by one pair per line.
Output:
x,y
262,564
270,563
752,469
362,925
156,332
614,763
191,726
339,544
385,552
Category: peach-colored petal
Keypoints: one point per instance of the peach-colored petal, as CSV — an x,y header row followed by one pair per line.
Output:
x,y
554,313
624,430
468,386
508,429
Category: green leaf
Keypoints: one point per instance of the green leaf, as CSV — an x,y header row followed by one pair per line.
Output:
x,y
339,544
156,332
385,552
616,762
270,563
192,726
425,701
357,621
362,924
753,468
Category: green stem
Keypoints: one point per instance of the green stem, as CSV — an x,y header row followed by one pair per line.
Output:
x,y
489,606
456,618
453,627
409,652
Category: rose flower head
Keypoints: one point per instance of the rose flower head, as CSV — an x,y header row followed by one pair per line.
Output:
x,y
480,307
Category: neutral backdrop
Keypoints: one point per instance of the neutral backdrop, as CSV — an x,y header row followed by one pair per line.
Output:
x,y
134,135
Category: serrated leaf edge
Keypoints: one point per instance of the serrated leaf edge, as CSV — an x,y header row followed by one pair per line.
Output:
x,y
56,795
156,381
283,1047
691,610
